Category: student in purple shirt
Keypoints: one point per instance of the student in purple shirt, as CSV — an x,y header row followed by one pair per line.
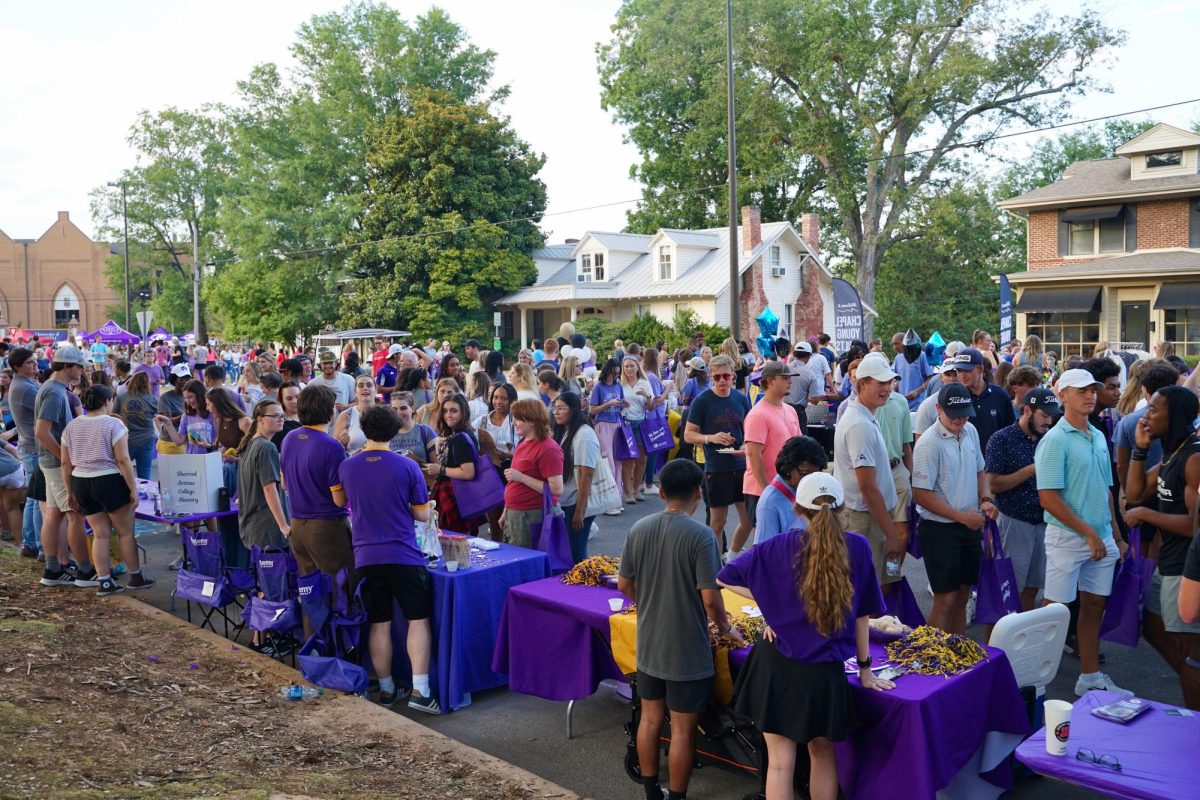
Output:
x,y
816,589
386,492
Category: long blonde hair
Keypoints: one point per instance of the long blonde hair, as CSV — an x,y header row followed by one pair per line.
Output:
x,y
729,347
521,377
431,412
569,370
822,569
1031,351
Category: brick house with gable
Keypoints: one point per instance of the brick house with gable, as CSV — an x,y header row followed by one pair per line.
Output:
x,y
1113,249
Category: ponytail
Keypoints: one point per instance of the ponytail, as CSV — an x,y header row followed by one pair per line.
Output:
x,y
822,569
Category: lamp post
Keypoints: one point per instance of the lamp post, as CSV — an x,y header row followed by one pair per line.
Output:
x,y
125,219
734,322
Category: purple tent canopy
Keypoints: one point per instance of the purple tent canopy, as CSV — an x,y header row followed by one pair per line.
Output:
x,y
161,333
112,333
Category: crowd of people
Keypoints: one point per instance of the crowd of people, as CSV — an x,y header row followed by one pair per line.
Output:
x,y
827,459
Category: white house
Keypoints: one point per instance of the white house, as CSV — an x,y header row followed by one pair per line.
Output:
x,y
618,275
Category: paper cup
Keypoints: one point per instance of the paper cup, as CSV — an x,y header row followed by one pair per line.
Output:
x,y
615,603
451,566
1058,726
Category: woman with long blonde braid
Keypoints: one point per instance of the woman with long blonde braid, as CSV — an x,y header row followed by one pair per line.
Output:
x,y
816,588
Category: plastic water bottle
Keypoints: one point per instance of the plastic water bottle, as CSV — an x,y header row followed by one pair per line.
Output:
x,y
166,504
295,692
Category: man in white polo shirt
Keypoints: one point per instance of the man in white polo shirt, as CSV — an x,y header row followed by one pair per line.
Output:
x,y
861,465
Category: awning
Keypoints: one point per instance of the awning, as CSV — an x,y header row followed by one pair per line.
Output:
x,y
1178,295
1072,300
1091,212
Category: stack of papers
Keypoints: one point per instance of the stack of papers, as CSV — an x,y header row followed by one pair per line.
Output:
x,y
483,544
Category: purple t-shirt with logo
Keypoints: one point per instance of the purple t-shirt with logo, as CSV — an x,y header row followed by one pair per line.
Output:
x,y
310,460
382,487
766,570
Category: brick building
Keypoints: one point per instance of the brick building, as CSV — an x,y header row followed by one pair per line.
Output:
x,y
617,275
48,281
1114,249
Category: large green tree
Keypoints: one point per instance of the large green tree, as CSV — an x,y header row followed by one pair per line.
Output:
x,y
172,198
452,208
300,139
863,105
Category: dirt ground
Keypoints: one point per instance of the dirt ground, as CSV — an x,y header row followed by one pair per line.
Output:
x,y
99,700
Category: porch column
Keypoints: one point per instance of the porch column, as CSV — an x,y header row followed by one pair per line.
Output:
x,y
573,315
524,331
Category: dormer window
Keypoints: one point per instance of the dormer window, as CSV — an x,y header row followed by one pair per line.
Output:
x,y
598,267
585,268
666,266
1169,158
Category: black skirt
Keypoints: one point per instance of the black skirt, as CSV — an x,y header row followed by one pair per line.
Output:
x,y
793,699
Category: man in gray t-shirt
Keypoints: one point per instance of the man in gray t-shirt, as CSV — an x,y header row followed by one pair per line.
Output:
x,y
669,568
22,395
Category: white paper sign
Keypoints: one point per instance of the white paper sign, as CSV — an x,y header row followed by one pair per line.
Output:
x,y
209,588
192,480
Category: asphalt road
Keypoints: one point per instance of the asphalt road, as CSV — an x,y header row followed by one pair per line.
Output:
x,y
531,732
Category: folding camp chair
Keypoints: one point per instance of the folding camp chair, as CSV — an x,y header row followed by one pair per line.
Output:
x,y
204,580
330,656
274,608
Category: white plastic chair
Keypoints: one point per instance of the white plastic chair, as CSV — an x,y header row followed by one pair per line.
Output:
x,y
1033,642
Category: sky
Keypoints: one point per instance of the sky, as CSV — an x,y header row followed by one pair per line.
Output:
x,y
76,74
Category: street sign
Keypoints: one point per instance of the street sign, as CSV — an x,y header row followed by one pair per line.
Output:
x,y
496,319
143,320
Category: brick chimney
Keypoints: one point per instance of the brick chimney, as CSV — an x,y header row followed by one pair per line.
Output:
x,y
751,228
810,230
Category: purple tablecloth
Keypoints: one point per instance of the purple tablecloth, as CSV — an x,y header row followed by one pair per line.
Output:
x,y
926,735
1157,752
554,640
467,608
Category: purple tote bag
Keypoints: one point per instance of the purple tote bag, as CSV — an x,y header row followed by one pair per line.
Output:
x,y
1122,620
901,603
483,492
999,594
914,541
625,446
656,433
550,536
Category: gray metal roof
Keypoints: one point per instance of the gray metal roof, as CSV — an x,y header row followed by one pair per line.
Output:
x,y
622,242
1149,263
708,238
554,252
1099,180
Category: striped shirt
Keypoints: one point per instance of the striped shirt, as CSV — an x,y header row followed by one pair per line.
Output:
x,y
1076,463
948,466
89,441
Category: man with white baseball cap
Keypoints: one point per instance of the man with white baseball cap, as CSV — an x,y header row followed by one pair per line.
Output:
x,y
388,375
861,465
1083,543
952,494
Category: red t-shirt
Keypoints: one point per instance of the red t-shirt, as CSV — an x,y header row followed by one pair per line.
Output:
x,y
537,459
377,360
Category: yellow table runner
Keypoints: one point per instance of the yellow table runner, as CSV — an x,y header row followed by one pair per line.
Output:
x,y
622,630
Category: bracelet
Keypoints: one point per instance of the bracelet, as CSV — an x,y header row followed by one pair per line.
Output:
x,y
1138,454
983,500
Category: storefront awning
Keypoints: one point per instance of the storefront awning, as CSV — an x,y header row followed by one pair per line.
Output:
x,y
1091,212
1071,300
1178,295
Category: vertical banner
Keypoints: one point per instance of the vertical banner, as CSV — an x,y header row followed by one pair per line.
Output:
x,y
1007,328
847,314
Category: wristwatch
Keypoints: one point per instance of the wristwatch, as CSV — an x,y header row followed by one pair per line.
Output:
x,y
863,663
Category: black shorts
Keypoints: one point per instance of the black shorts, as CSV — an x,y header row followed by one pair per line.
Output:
x,y
952,553
751,501
686,697
37,486
724,488
408,585
106,493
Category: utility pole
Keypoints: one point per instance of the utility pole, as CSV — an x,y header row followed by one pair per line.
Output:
x,y
734,246
125,220
195,226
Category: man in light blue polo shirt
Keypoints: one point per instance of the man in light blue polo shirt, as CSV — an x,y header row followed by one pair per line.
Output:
x,y
799,456
1074,473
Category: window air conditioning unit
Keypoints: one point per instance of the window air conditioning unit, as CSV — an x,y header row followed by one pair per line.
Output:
x,y
778,272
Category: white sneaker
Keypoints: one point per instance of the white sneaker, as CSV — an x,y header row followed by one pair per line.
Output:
x,y
592,531
1101,681
613,512
972,601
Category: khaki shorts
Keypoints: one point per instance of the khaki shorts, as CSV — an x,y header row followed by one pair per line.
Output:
x,y
56,488
517,523
903,492
323,544
861,521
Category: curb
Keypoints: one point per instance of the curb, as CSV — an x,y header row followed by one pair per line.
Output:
x,y
359,709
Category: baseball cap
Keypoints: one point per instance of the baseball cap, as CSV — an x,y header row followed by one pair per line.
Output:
x,y
69,355
395,350
698,364
818,484
773,369
1071,379
1042,399
876,368
802,347
954,399
967,358
181,371
326,356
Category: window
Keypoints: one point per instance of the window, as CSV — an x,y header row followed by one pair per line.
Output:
x,y
508,325
66,306
1097,236
599,272
643,309
1067,334
776,256
1183,328
785,325
1171,158
538,323
585,268
666,271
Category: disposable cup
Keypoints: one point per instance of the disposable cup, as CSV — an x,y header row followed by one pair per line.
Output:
x,y
1058,726
451,566
615,603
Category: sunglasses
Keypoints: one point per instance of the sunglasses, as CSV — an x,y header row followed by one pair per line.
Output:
x,y
723,376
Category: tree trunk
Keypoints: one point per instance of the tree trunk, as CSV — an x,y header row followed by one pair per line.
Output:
x,y
868,271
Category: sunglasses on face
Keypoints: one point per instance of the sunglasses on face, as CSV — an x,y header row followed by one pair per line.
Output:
x,y
723,376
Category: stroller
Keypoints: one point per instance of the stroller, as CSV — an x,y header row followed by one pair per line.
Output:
x,y
724,739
